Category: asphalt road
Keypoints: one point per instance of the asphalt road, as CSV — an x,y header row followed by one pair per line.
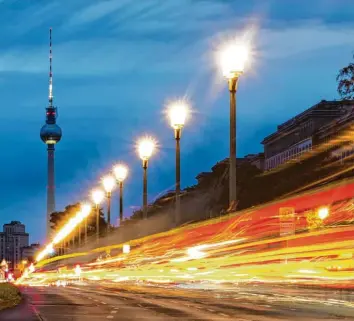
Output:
x,y
76,303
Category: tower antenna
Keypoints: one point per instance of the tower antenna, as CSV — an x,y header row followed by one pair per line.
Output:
x,y
50,70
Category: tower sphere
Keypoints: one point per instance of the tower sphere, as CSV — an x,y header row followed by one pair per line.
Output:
x,y
51,133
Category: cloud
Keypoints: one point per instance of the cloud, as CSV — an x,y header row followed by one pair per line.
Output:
x,y
306,37
95,12
170,36
113,55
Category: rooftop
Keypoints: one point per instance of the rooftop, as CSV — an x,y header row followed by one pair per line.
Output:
x,y
322,109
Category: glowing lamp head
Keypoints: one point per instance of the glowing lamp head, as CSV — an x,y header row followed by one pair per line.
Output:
x,y
120,172
232,59
97,196
323,213
108,183
146,147
126,248
178,112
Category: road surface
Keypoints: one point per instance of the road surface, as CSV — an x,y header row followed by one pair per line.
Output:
x,y
77,303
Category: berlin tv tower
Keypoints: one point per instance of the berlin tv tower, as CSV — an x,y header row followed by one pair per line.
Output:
x,y
50,135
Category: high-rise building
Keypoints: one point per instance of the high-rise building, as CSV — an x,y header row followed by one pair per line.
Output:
x,y
50,135
12,240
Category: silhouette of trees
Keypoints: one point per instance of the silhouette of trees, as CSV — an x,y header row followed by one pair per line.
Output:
x,y
345,79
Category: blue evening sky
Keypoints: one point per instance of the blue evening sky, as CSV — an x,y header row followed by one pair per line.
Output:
x,y
116,63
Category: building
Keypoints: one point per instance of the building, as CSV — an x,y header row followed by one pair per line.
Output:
x,y
12,240
256,160
299,134
29,252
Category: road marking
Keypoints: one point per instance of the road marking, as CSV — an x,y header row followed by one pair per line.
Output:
x,y
211,310
103,302
223,314
116,308
110,317
114,311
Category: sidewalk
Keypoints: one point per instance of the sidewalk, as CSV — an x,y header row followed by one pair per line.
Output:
x,y
23,312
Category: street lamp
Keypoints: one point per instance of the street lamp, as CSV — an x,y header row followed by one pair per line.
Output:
x,y
86,209
97,197
109,183
178,112
146,147
120,172
232,60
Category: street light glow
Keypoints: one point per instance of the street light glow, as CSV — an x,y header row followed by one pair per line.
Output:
x,y
146,147
126,248
86,209
232,59
120,172
178,112
108,183
323,213
78,270
97,196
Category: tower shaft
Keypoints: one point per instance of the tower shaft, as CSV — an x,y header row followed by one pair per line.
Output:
x,y
50,188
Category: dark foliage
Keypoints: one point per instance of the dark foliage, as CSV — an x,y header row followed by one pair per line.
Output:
x,y
345,81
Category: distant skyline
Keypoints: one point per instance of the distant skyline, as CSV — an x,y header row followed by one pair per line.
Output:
x,y
115,65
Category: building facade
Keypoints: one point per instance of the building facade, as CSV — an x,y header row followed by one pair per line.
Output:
x,y
29,252
299,134
12,240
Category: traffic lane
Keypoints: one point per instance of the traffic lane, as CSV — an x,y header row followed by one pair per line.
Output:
x,y
234,306
136,307
54,304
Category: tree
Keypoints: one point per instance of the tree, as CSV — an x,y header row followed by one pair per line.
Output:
x,y
345,81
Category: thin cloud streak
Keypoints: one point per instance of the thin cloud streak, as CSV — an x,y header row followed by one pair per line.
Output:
x,y
112,56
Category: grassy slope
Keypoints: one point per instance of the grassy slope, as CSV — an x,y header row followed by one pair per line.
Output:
x,y
9,296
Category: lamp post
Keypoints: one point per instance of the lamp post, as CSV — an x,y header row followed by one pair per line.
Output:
x,y
97,198
79,234
86,210
108,185
146,147
178,112
232,59
120,172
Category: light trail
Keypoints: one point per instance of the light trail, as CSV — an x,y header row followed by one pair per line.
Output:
x,y
244,248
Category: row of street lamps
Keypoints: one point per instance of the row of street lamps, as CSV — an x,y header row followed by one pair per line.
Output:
x,y
178,112
232,59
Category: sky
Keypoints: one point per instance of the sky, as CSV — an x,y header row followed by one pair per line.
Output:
x,y
117,63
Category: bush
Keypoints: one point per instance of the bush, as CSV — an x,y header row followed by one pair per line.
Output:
x,y
9,296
